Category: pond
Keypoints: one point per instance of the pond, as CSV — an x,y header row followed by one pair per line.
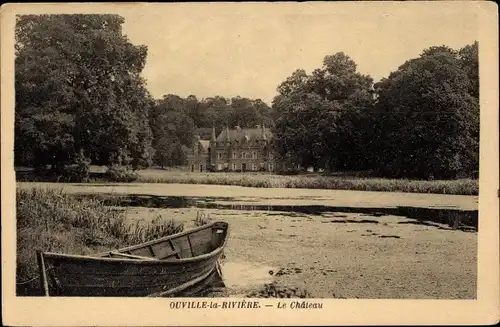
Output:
x,y
341,244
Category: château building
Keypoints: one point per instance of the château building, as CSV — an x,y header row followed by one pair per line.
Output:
x,y
238,149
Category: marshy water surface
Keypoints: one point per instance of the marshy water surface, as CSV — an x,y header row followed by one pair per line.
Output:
x,y
461,219
342,244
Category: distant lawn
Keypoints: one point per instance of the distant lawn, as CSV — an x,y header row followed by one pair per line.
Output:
x,y
338,181
312,181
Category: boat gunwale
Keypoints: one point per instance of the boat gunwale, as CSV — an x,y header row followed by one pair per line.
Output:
x,y
100,256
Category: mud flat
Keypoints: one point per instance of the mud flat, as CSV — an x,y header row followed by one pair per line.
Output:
x,y
339,255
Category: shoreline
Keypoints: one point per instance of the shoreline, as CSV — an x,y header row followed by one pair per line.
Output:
x,y
271,196
465,186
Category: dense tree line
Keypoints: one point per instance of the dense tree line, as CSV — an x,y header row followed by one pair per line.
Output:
x,y
420,122
80,100
174,121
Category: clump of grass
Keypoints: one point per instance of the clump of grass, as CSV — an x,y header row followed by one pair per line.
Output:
x,y
201,219
275,290
50,220
264,180
158,227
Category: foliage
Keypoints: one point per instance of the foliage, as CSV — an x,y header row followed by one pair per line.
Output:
x,y
343,182
175,121
318,112
420,122
80,100
51,220
78,88
119,173
172,129
428,119
79,171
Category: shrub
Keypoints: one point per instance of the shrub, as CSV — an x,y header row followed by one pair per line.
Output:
x,y
118,173
79,171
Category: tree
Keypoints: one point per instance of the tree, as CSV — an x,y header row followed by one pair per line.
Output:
x,y
79,90
427,119
469,60
172,129
243,113
324,114
305,131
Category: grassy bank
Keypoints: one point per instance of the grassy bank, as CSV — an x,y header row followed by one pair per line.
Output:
x,y
342,181
50,220
460,187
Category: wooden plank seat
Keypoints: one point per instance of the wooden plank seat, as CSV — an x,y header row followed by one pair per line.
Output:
x,y
131,256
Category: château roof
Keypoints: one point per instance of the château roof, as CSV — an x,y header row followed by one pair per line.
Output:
x,y
240,134
205,144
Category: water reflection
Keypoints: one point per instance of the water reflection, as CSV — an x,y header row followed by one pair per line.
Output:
x,y
452,217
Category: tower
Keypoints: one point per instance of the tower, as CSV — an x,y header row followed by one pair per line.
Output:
x,y
213,145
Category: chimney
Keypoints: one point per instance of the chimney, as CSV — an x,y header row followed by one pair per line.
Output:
x,y
213,138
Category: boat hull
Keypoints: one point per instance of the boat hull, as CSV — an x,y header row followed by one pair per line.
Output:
x,y
109,274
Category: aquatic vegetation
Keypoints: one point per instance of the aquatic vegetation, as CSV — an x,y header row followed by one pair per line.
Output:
x,y
459,186
51,220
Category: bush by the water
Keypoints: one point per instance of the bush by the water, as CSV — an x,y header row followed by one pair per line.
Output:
x,y
50,220
118,173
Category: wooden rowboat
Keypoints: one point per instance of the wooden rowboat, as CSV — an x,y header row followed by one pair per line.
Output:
x,y
169,266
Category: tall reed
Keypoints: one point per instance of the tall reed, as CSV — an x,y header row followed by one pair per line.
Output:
x,y
50,220
460,186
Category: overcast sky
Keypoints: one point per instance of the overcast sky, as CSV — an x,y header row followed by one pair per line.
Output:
x,y
248,49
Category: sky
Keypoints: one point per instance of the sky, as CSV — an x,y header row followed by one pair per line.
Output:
x,y
249,49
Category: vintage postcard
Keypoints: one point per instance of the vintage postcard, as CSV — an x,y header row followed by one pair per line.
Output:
x,y
312,163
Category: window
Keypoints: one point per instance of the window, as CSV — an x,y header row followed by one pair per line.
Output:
x,y
261,165
235,155
271,167
254,167
254,155
234,166
219,155
243,155
219,166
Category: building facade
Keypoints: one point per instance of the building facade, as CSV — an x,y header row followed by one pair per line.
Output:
x,y
238,149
